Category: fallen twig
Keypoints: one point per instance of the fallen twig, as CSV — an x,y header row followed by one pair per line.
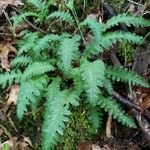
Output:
x,y
112,13
145,126
114,58
108,127
30,23
126,102
34,27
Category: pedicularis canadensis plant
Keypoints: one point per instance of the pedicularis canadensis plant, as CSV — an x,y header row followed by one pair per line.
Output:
x,y
62,69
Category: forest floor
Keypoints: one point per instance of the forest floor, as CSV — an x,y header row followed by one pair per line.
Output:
x,y
25,135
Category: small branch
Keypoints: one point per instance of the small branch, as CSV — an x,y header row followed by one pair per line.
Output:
x,y
12,124
7,17
143,123
7,133
112,13
108,8
108,127
30,23
136,111
126,102
34,27
77,22
114,58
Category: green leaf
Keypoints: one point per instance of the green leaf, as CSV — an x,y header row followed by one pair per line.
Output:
x,y
127,20
78,82
18,19
38,4
93,46
112,37
64,16
68,51
28,42
21,61
95,115
93,75
36,68
9,78
29,93
70,4
124,75
56,113
43,43
114,109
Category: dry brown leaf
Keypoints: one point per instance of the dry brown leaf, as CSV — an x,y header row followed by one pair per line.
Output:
x,y
27,140
4,4
143,95
23,146
145,103
25,143
141,90
11,2
5,49
85,146
20,27
13,95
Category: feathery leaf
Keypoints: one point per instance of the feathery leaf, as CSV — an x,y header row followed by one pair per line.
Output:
x,y
38,4
18,19
124,75
95,115
127,20
64,16
36,68
8,78
21,61
112,37
30,92
93,75
112,107
68,51
56,113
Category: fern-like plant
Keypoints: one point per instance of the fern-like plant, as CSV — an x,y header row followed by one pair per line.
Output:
x,y
45,63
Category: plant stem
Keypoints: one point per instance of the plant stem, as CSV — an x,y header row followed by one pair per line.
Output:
x,y
77,22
